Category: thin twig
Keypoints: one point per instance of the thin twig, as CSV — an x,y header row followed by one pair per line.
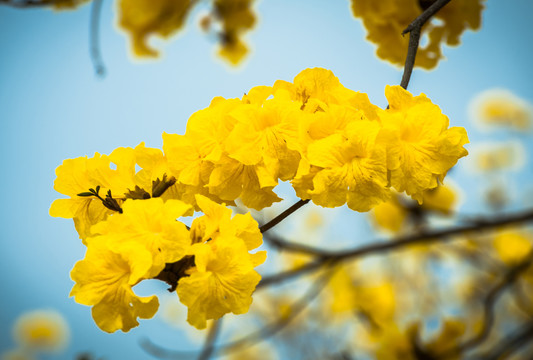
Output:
x,y
248,340
269,225
94,39
512,343
209,345
415,29
26,3
489,303
380,247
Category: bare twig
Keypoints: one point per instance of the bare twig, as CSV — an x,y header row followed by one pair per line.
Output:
x,y
489,303
415,29
269,225
94,38
380,247
248,340
512,343
26,3
209,345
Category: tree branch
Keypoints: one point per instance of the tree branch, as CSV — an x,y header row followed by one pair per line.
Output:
x,y
27,3
380,247
512,343
488,306
209,345
248,340
415,29
269,225
94,38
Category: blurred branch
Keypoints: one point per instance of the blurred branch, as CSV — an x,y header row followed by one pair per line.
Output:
x,y
255,337
489,303
415,29
209,345
94,38
269,225
380,247
26,3
512,343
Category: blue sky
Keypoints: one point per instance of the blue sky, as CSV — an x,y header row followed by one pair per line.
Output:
x,y
52,107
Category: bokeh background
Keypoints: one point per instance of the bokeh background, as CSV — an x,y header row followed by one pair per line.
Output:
x,y
53,107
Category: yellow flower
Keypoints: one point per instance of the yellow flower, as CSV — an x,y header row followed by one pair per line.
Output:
x,y
104,280
315,89
385,21
76,176
150,224
223,278
142,18
511,247
353,168
390,215
42,331
236,17
222,281
421,147
266,134
500,107
441,199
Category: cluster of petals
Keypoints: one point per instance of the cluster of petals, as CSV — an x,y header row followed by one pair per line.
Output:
x,y
330,142
138,243
385,21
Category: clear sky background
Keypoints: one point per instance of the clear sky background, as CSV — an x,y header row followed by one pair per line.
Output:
x,y
53,107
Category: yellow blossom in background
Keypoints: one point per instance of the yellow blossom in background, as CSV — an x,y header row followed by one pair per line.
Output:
x,y
385,20
390,215
512,247
40,331
421,147
104,280
236,18
143,18
498,156
501,108
442,199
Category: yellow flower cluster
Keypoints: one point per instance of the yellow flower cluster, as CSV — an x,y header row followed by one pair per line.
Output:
x,y
330,142
385,21
143,18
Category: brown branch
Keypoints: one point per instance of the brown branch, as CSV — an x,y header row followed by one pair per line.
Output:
x,y
489,302
512,343
248,340
380,247
209,345
27,3
94,38
269,225
415,29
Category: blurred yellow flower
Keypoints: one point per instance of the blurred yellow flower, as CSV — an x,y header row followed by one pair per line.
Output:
x,y
142,18
41,331
511,246
386,19
501,107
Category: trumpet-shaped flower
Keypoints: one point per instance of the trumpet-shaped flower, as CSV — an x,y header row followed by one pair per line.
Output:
x,y
76,176
150,224
421,147
353,168
222,281
104,280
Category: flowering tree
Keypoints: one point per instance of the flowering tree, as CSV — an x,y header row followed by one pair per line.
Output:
x,y
335,148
